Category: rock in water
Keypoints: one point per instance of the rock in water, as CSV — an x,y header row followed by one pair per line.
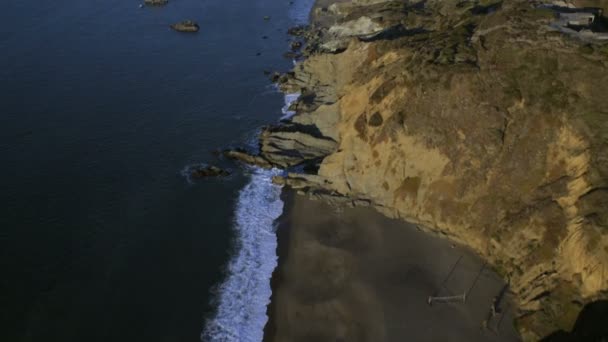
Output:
x,y
297,31
208,171
186,26
156,2
295,45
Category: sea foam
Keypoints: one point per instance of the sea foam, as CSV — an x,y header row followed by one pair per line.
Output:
x,y
289,99
244,296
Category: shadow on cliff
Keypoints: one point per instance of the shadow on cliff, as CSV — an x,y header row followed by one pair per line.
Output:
x,y
591,325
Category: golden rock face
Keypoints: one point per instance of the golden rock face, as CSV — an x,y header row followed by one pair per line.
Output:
x,y
490,128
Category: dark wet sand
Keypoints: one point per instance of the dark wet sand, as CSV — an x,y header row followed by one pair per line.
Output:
x,y
356,275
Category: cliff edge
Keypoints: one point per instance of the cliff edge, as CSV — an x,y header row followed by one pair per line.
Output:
x,y
475,119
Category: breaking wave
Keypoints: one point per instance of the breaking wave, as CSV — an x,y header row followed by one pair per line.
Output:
x,y
243,297
245,294
289,99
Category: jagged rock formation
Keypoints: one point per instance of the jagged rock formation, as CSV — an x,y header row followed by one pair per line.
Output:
x,y
473,119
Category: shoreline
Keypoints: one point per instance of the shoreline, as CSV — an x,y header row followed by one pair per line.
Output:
x,y
400,113
352,274
283,235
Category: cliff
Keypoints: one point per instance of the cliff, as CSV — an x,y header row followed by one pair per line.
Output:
x,y
473,119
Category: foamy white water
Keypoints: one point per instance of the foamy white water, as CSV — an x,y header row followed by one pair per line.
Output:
x,y
289,99
244,296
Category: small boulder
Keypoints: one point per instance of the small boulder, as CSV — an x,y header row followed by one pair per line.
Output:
x,y
296,45
297,31
186,26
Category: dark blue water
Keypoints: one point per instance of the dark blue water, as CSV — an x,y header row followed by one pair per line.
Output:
x,y
102,106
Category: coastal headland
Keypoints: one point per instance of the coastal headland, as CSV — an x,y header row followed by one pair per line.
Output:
x,y
475,120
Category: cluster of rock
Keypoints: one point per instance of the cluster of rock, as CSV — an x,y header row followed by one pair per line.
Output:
x,y
472,118
183,26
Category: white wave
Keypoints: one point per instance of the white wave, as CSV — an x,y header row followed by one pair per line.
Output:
x,y
289,99
244,296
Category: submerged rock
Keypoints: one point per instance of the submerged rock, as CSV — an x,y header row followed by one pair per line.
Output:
x,y
277,77
296,45
291,55
297,31
208,171
186,26
156,2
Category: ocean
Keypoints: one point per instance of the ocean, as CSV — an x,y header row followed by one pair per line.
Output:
x,y
102,235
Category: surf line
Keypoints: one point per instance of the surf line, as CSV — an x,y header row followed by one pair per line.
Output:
x,y
243,297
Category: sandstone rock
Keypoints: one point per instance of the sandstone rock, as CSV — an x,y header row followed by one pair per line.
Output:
x,y
245,157
360,26
294,144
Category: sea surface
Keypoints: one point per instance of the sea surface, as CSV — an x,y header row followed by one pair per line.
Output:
x,y
103,236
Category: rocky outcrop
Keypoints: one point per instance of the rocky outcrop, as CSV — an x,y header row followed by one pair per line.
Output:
x,y
287,145
292,144
471,118
247,158
185,26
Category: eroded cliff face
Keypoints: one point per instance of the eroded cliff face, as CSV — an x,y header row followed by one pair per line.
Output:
x,y
475,120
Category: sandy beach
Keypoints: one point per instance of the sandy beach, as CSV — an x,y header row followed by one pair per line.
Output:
x,y
351,274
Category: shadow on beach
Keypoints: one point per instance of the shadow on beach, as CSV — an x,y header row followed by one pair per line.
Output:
x,y
355,275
